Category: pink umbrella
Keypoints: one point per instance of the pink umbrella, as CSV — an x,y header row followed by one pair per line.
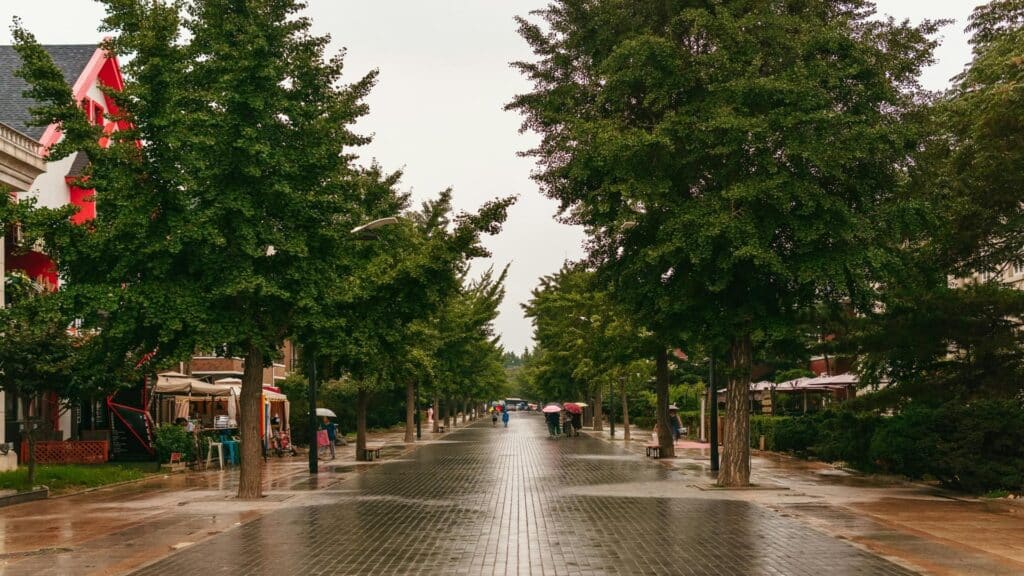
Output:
x,y
551,408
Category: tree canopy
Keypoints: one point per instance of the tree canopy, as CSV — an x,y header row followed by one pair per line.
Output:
x,y
729,159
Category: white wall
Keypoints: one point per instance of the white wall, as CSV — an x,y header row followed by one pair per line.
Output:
x,y
49,189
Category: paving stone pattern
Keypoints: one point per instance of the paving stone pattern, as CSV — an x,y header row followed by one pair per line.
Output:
x,y
493,503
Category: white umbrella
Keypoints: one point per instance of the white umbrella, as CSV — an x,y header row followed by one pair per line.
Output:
x,y
326,412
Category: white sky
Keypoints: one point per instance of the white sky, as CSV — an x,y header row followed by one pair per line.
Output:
x,y
437,109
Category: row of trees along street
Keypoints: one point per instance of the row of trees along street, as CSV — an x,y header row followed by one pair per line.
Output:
x,y
225,210
754,175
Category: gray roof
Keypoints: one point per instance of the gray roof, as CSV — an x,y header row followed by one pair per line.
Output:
x,y
71,59
78,166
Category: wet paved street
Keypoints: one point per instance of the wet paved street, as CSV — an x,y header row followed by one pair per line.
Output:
x,y
511,501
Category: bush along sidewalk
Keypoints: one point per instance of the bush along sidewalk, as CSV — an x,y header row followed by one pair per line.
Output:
x,y
978,447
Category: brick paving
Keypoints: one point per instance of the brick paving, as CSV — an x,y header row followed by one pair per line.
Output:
x,y
502,501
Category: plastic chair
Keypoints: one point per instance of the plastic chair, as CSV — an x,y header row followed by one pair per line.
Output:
x,y
232,448
220,454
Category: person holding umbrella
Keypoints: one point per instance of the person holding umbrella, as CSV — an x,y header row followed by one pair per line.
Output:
x,y
330,427
575,414
552,415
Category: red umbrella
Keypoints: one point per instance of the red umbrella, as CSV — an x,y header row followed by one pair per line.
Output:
x,y
572,408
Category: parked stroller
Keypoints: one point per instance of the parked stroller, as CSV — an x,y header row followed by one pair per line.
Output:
x,y
281,442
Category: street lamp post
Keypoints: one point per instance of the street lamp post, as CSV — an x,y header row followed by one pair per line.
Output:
x,y
313,446
365,232
714,414
419,432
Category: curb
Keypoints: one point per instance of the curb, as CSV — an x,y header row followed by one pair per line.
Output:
x,y
40,493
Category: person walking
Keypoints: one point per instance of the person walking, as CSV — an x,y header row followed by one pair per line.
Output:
x,y
552,420
494,417
332,433
504,418
675,423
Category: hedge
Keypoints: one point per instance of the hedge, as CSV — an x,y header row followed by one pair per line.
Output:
x,y
977,447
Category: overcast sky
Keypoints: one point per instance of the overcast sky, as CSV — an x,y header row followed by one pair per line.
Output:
x,y
437,110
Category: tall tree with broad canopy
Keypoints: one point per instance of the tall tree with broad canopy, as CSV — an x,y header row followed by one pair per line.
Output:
x,y
374,324
219,204
727,157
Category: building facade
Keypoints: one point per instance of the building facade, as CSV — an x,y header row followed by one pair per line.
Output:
x,y
20,164
88,70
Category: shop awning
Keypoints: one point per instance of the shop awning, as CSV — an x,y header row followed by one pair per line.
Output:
x,y
183,385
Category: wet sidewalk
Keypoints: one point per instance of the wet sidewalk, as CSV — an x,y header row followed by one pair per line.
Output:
x,y
117,529
490,500
931,530
494,500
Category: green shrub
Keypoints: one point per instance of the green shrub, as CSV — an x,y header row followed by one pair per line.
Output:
x,y
846,436
173,438
795,434
783,433
763,426
977,447
906,444
646,422
981,447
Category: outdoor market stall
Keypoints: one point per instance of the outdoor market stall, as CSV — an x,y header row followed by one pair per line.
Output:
x,y
180,396
273,404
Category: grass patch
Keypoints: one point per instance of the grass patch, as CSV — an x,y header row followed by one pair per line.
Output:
x,y
997,494
73,477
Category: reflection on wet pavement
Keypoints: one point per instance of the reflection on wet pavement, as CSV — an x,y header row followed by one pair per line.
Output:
x,y
511,501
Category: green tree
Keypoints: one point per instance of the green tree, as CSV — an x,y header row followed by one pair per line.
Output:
x,y
585,339
728,159
227,186
962,218
376,324
37,356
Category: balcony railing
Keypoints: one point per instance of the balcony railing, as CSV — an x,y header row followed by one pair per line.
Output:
x,y
20,159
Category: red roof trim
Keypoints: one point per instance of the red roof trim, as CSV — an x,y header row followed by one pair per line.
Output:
x,y
96,70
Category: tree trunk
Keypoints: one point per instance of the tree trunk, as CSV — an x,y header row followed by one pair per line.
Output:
x,y
30,435
437,415
598,412
667,446
362,401
625,414
465,409
447,409
250,477
736,445
410,412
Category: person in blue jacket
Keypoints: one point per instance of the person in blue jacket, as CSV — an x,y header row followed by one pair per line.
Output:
x,y
504,418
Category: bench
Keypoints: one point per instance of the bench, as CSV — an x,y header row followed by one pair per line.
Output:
x,y
653,450
372,451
